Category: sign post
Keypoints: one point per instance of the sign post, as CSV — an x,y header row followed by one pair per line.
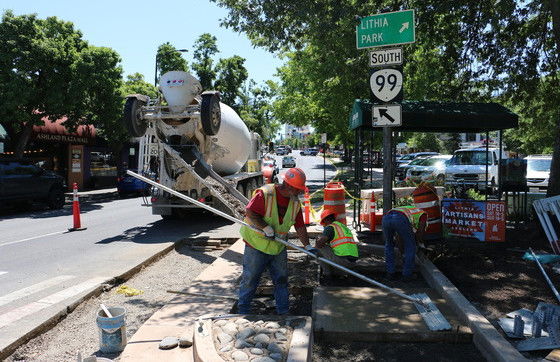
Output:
x,y
324,142
386,79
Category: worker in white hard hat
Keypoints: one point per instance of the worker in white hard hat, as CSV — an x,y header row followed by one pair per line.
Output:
x,y
274,209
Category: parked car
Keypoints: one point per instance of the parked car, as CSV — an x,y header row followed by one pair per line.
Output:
x,y
129,185
400,172
22,182
404,159
281,150
468,167
288,161
429,169
538,170
312,151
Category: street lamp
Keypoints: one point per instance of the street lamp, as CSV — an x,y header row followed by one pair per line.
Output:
x,y
157,61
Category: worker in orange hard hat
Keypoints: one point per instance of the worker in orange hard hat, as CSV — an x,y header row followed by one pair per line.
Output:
x,y
336,244
274,208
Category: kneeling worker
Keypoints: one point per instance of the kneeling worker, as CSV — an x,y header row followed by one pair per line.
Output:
x,y
273,209
336,244
409,223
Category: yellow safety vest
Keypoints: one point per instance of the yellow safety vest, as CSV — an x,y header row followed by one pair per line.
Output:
x,y
413,214
343,243
258,240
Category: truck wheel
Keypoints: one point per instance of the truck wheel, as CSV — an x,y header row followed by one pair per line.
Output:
x,y
210,113
56,199
135,125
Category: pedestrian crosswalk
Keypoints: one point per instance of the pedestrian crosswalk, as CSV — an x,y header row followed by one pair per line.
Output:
x,y
23,311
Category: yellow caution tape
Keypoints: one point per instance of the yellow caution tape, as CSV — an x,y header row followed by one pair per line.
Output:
x,y
128,291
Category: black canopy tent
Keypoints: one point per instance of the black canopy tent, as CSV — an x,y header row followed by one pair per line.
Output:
x,y
429,116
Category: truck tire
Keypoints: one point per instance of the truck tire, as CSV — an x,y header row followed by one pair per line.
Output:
x,y
210,113
134,124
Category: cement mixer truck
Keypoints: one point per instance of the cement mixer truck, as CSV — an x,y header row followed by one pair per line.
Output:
x,y
198,146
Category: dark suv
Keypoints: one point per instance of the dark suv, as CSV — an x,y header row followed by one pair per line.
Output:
x,y
21,182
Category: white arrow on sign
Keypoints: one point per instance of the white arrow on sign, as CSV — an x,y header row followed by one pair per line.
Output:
x,y
403,27
386,84
386,115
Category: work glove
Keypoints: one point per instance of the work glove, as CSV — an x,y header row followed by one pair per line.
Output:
x,y
268,231
312,250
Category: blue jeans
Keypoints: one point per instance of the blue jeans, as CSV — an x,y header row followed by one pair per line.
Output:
x,y
396,222
254,264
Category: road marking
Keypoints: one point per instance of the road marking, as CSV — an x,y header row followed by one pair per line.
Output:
x,y
3,272
34,307
33,289
34,237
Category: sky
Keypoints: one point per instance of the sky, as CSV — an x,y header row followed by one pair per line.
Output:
x,y
135,29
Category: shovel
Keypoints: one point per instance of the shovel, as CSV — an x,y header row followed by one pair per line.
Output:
x,y
427,309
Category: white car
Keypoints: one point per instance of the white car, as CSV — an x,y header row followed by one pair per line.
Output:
x,y
429,169
288,161
538,170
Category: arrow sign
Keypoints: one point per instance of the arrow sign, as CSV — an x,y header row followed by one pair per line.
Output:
x,y
404,27
386,29
386,115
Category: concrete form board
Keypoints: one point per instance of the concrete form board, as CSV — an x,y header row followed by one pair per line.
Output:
x,y
487,339
371,314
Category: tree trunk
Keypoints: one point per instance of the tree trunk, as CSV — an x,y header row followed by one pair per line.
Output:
x,y
554,180
23,139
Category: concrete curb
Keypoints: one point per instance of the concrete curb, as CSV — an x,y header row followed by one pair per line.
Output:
x,y
486,338
52,321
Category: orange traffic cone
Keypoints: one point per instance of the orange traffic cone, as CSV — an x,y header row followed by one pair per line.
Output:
x,y
76,211
372,209
306,207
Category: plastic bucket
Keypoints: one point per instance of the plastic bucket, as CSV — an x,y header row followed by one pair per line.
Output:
x,y
112,331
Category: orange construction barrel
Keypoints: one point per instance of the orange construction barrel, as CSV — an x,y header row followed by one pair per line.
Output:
x,y
334,199
426,198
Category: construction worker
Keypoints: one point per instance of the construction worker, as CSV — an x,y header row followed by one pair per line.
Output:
x,y
409,223
274,208
336,244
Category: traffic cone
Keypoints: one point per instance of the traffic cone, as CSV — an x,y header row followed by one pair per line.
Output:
x,y
306,207
76,211
372,209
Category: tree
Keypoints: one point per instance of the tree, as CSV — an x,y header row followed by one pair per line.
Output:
x,y
470,51
168,58
231,76
450,142
257,111
204,48
48,70
423,141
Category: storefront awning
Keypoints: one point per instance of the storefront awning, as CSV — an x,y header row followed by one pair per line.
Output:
x,y
54,131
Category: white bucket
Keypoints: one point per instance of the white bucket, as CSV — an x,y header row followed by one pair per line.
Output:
x,y
179,89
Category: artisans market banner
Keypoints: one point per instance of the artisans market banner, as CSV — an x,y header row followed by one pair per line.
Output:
x,y
483,220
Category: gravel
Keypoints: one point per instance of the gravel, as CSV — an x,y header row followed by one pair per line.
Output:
x,y
79,331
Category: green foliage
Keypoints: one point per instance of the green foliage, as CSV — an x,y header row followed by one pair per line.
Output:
x,y
422,141
135,84
449,143
256,109
48,70
204,48
231,74
168,58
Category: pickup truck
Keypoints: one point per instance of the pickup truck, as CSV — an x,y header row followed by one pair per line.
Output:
x,y
468,167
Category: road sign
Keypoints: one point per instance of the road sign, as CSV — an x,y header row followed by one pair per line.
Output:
x,y
386,115
386,29
386,85
384,57
323,138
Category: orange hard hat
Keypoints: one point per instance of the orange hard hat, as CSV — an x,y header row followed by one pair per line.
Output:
x,y
326,213
295,177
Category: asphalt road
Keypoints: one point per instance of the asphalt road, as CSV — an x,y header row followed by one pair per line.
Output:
x,y
44,268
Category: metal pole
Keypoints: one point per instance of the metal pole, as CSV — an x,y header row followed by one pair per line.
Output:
x,y
324,165
545,276
387,170
487,151
284,242
155,72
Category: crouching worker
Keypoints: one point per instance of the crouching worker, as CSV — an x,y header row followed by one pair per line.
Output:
x,y
273,209
409,223
336,244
